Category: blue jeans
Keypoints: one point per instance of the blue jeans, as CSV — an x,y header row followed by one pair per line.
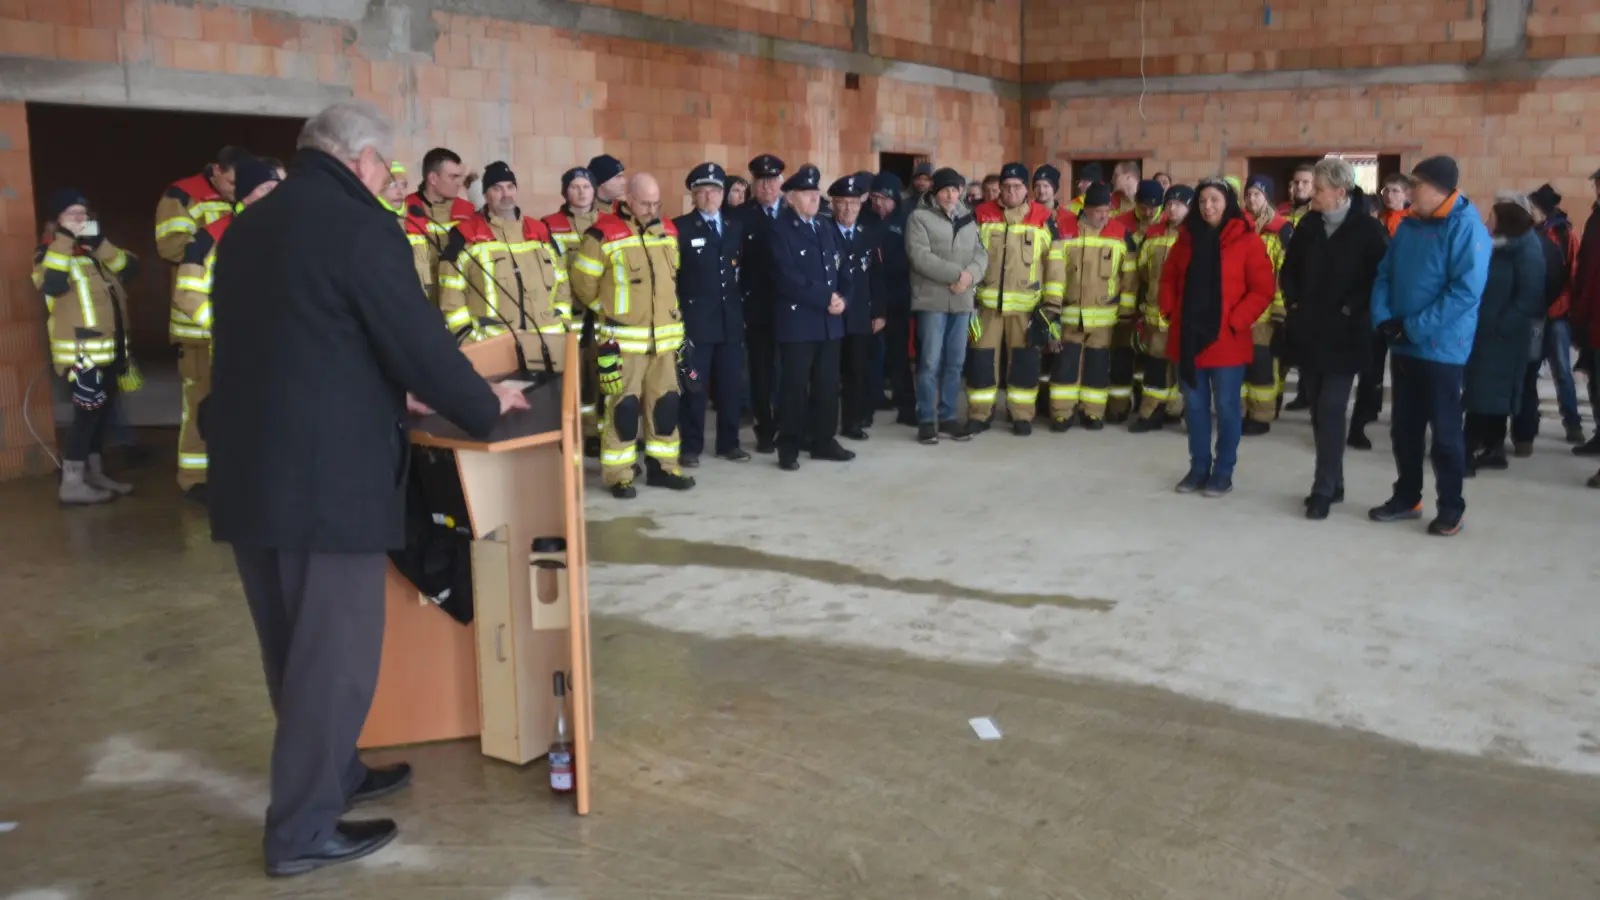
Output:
x,y
1219,387
1558,353
1427,394
941,353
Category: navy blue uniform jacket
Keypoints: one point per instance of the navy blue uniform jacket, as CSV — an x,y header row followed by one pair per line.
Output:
x,y
806,273
755,264
860,257
709,295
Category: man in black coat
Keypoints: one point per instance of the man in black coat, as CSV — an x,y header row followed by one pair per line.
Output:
x,y
759,215
888,219
808,322
863,312
321,329
709,246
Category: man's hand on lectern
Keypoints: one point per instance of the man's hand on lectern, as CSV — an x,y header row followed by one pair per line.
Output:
x,y
417,407
511,397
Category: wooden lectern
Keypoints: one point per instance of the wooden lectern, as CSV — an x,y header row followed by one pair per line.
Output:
x,y
493,678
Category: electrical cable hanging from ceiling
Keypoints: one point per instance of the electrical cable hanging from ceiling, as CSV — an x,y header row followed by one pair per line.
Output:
x,y
1143,82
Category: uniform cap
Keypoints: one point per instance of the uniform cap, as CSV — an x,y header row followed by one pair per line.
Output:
x,y
849,186
1048,173
498,172
1014,170
806,178
604,168
1148,193
766,166
1182,193
1097,194
571,175
249,174
707,174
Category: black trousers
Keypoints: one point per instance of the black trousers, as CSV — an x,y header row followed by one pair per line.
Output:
x,y
87,433
1484,432
897,368
809,416
1369,386
762,346
856,405
319,620
721,368
1330,400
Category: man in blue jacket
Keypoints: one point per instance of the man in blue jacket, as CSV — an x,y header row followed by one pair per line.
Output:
x,y
1425,304
809,287
887,216
709,246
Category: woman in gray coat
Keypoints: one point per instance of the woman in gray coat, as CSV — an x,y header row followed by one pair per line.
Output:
x,y
1508,332
947,262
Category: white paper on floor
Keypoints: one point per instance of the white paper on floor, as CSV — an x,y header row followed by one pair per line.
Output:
x,y
7,826
985,728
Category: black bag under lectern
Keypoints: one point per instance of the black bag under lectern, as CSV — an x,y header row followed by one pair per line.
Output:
x,y
438,554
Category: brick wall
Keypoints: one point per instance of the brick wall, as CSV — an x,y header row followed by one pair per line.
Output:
x,y
977,36
1504,136
22,340
1101,38
825,22
1558,28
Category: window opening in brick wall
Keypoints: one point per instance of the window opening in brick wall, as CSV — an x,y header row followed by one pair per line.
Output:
x,y
852,81
901,164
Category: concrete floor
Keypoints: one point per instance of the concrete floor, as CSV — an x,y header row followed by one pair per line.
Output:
x,y
1200,698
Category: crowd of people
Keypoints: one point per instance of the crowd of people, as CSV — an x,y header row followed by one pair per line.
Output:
x,y
808,311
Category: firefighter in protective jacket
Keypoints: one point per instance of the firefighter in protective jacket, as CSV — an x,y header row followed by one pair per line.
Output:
x,y
1161,397
190,324
1018,234
193,203
567,225
502,271
430,213
1261,376
625,270
1089,285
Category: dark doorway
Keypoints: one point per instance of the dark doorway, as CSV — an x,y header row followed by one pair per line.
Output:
x,y
152,149
1280,169
902,165
1371,168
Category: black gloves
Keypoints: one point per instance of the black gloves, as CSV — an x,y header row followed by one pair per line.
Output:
x,y
1393,331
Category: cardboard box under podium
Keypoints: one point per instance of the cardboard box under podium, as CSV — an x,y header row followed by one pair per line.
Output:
x,y
492,678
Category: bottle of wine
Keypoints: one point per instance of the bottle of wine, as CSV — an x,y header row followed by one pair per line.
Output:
x,y
561,748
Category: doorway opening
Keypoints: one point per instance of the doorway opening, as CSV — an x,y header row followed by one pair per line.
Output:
x,y
903,165
154,148
1107,166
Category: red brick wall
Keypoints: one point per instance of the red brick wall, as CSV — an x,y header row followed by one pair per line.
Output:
x,y
825,22
1558,28
976,36
22,338
1101,38
1504,136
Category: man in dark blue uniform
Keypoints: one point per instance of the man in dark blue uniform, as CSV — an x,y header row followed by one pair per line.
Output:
x,y
759,215
894,276
810,290
709,246
863,316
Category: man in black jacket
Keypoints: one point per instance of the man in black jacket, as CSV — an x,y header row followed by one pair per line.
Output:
x,y
321,329
864,315
888,218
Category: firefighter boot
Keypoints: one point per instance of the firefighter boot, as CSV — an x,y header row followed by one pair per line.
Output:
x,y
656,476
76,491
96,477
1152,422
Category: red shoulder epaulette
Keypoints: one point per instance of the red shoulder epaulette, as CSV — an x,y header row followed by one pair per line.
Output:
x,y
557,222
475,228
215,229
1276,225
612,228
1066,222
989,212
535,230
1114,229
196,187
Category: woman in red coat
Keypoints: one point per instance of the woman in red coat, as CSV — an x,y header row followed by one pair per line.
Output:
x,y
1216,282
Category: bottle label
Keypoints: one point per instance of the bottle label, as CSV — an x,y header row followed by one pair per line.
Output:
x,y
561,771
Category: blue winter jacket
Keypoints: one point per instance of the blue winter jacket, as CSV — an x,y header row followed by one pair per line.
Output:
x,y
1432,280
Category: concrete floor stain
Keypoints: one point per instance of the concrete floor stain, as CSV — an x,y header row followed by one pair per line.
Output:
x,y
625,541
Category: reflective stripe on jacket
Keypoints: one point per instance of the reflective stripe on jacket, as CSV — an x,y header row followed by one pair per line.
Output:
x,y
1276,233
503,270
188,206
1018,242
1091,277
190,319
626,272
78,294
1153,254
428,231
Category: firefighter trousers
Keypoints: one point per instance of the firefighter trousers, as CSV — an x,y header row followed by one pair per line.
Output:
x,y
194,368
1261,377
1081,377
1160,380
1002,333
589,386
1124,360
647,407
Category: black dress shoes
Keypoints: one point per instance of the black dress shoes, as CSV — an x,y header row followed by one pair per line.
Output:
x,y
349,841
381,782
832,452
